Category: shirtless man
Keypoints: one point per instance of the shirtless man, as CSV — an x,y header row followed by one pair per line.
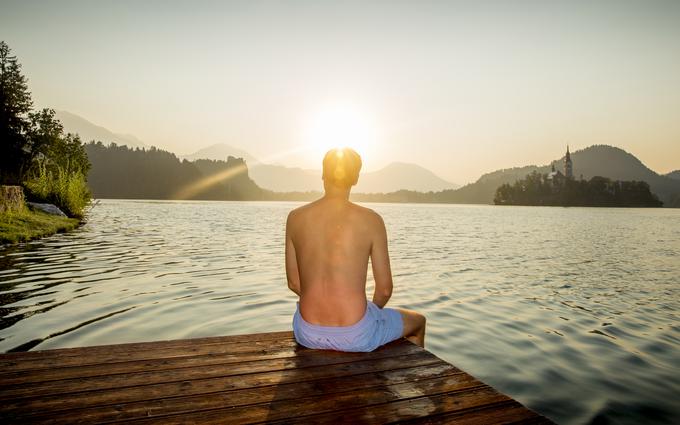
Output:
x,y
328,244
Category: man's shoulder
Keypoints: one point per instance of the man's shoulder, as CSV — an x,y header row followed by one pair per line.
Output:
x,y
294,213
301,210
367,213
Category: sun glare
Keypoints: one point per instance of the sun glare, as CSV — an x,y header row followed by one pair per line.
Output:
x,y
341,125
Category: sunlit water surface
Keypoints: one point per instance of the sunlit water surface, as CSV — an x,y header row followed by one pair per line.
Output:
x,y
572,311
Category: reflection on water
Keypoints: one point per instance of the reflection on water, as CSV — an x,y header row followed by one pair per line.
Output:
x,y
572,311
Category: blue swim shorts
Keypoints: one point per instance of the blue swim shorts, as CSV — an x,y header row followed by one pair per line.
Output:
x,y
378,327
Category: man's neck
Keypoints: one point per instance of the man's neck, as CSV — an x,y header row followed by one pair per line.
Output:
x,y
334,192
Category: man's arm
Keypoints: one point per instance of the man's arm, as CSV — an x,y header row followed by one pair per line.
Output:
x,y
380,260
292,273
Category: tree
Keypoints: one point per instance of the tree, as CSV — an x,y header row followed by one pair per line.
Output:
x,y
46,139
15,104
27,135
536,189
34,152
44,130
69,153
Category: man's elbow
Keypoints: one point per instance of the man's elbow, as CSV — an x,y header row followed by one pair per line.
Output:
x,y
385,292
293,286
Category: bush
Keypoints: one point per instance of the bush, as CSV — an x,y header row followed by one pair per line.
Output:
x,y
66,189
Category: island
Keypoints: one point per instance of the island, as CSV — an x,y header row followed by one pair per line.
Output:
x,y
555,189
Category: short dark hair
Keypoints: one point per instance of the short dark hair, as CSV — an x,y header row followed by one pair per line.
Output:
x,y
341,167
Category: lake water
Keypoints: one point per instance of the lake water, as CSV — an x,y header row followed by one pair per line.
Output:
x,y
572,311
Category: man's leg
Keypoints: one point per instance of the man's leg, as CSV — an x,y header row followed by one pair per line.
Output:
x,y
414,326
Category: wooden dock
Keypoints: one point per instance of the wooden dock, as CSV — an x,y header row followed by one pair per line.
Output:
x,y
245,379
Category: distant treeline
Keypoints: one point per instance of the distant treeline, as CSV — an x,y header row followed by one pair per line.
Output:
x,y
121,172
537,189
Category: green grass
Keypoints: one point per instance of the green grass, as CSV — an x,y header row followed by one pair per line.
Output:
x,y
26,225
66,189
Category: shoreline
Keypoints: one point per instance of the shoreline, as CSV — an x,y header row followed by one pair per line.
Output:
x,y
27,225
361,201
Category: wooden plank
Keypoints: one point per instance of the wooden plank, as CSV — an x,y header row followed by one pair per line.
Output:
x,y
287,391
335,406
500,413
412,408
140,351
65,369
133,346
56,402
193,373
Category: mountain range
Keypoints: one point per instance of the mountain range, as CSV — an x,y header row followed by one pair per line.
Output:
x,y
88,131
675,175
596,160
220,152
393,177
279,178
400,182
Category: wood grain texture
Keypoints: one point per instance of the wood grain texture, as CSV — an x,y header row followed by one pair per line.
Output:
x,y
252,378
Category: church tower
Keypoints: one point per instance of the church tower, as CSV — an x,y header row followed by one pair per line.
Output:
x,y
568,166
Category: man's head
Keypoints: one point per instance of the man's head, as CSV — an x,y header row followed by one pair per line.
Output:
x,y
341,167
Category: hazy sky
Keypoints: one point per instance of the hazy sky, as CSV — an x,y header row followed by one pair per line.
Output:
x,y
461,88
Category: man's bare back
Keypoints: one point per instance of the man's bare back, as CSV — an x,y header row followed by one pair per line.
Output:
x,y
332,240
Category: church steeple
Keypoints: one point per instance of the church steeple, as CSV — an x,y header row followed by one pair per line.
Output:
x,y
568,166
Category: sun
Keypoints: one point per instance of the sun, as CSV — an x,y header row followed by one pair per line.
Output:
x,y
341,125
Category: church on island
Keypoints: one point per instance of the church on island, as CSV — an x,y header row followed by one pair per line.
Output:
x,y
559,188
557,176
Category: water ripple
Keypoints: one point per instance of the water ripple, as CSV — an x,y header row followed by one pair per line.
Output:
x,y
549,305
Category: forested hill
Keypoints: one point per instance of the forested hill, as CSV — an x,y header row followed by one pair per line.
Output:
x,y
124,173
598,160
